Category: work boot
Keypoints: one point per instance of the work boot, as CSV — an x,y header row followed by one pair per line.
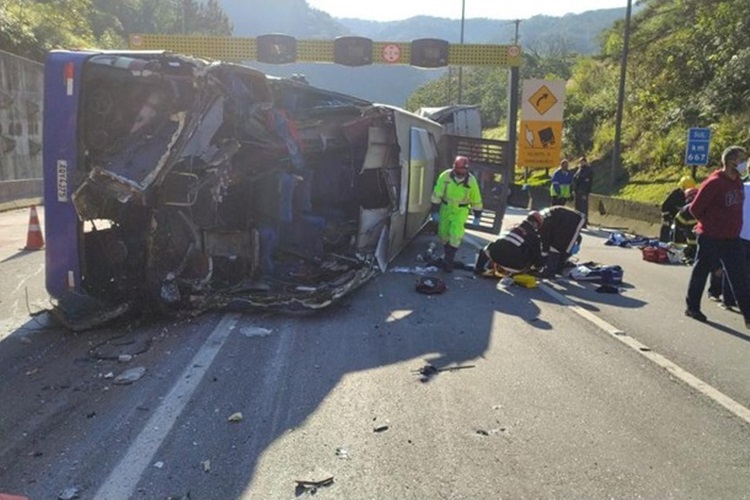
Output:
x,y
448,258
481,265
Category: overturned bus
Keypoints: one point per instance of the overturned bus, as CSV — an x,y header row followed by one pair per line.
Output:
x,y
181,184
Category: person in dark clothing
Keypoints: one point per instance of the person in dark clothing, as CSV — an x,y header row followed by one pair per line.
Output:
x,y
516,251
728,300
684,224
583,181
718,207
560,232
674,201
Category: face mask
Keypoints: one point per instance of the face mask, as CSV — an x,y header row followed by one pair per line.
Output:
x,y
742,168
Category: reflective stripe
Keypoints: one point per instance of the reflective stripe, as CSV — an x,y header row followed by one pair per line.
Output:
x,y
515,239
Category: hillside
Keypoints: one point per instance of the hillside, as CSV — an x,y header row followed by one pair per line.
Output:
x,y
580,31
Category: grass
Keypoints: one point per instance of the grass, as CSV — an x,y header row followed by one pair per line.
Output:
x,y
647,186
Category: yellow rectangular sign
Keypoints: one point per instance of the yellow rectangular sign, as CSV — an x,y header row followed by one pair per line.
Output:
x,y
539,144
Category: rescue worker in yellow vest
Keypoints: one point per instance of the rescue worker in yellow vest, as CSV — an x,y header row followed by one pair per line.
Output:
x,y
456,192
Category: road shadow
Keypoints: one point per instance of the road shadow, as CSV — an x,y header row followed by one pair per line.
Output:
x,y
20,253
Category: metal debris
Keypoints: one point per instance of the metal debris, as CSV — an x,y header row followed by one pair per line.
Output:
x,y
314,481
235,417
429,370
130,376
255,331
69,493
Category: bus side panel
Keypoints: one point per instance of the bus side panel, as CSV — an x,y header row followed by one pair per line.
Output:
x,y
62,77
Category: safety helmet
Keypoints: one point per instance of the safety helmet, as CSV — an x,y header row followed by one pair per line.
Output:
x,y
686,182
690,194
461,164
536,218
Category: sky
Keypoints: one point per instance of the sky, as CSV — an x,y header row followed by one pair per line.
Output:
x,y
393,10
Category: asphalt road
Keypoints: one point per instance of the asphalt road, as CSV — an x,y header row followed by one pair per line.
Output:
x,y
551,392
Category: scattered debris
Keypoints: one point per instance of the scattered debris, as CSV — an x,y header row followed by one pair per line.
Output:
x,y
381,428
429,370
430,286
130,376
420,270
159,465
255,331
186,496
109,375
342,453
482,432
206,465
124,358
507,281
314,481
235,417
69,493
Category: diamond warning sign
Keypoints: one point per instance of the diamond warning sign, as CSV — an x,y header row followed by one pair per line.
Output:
x,y
543,100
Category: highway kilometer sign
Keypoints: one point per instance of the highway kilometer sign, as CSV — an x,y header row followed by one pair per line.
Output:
x,y
698,142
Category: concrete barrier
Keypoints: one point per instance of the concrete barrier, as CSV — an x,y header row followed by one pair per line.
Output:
x,y
634,217
20,193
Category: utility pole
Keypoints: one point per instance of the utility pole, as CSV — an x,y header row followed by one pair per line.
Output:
x,y
461,68
620,98
517,22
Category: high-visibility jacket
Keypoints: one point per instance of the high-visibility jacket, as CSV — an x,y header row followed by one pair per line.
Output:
x,y
562,180
464,194
455,198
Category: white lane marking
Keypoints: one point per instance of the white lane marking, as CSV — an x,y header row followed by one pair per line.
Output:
x,y
691,380
122,481
688,378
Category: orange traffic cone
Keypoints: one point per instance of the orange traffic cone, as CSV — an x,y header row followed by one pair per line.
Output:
x,y
34,238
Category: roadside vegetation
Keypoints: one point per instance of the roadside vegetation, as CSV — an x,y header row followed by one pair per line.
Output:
x,y
688,66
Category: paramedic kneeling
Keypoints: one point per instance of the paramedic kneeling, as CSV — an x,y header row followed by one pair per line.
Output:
x,y
516,251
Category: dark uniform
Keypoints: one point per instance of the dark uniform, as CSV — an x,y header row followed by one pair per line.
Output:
x,y
583,181
674,201
560,232
516,251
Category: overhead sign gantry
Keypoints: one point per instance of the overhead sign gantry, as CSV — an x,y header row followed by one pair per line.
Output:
x,y
345,50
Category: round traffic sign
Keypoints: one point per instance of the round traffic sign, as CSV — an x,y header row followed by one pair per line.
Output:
x,y
391,53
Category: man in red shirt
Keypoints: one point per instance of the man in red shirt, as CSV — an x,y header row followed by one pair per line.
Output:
x,y
718,209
